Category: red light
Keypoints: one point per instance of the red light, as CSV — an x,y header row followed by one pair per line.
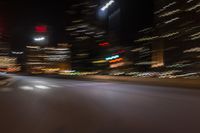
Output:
x,y
104,44
119,52
41,29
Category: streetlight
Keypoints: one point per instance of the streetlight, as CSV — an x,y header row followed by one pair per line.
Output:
x,y
107,5
39,39
104,9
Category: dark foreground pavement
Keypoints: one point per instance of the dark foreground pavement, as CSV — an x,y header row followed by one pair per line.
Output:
x,y
42,105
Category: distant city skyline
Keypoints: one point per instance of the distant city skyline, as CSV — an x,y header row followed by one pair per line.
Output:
x,y
21,19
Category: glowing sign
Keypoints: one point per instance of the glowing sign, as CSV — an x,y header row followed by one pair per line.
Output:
x,y
112,57
104,44
41,29
116,60
120,52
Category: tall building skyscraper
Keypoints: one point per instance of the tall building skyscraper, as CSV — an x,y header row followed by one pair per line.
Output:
x,y
85,33
7,62
45,58
173,41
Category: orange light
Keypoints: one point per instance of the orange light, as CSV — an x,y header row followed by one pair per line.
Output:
x,y
116,60
117,65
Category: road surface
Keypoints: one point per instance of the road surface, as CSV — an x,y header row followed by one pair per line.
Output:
x,y
43,105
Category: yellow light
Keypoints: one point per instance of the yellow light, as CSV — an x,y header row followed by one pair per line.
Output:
x,y
99,61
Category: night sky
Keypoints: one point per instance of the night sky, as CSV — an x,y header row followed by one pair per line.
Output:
x,y
136,15
23,17
20,18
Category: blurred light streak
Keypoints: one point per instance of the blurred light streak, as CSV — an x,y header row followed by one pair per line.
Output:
x,y
170,13
147,39
116,60
197,49
26,88
165,7
112,57
107,5
172,20
104,44
42,87
170,35
146,63
117,65
39,39
194,7
119,52
33,47
99,61
17,53
137,49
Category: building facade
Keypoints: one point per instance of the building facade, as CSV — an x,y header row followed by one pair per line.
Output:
x,y
173,41
86,34
8,63
48,60
43,58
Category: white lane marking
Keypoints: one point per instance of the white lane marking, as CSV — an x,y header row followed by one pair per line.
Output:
x,y
26,88
39,82
42,87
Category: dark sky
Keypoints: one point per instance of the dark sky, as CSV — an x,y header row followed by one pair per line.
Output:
x,y
136,15
23,17
20,18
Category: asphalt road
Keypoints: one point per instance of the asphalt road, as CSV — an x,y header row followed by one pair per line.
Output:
x,y
42,105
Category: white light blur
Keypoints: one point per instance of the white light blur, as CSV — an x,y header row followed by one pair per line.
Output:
x,y
39,82
41,87
107,5
68,71
172,20
17,53
26,88
39,39
113,57
196,49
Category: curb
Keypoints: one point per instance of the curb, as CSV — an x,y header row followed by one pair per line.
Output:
x,y
5,82
180,83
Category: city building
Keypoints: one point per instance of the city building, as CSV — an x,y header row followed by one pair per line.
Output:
x,y
7,62
172,43
43,58
48,60
94,31
88,36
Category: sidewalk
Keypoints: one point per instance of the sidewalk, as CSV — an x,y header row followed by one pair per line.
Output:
x,y
4,80
181,83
